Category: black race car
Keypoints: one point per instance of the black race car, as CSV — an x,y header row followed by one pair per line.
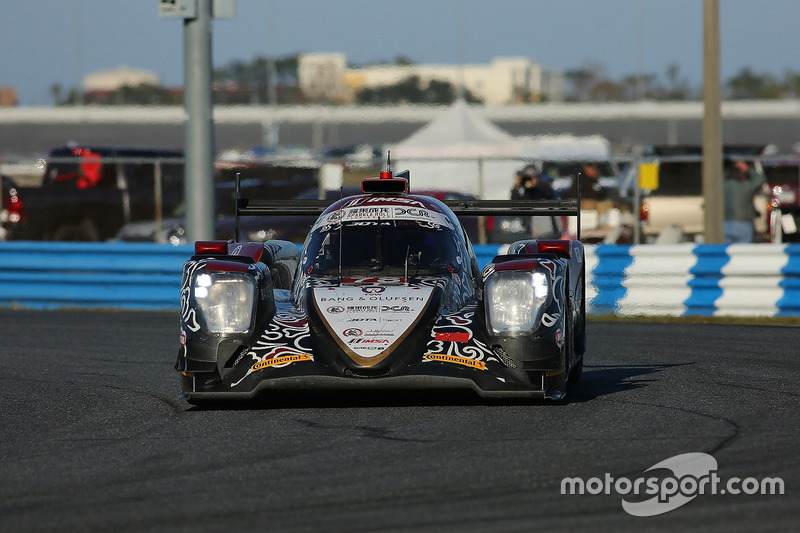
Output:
x,y
386,293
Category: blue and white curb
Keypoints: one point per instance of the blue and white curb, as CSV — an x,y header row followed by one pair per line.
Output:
x,y
688,279
789,303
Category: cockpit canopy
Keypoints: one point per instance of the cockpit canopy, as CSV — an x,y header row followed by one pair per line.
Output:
x,y
383,248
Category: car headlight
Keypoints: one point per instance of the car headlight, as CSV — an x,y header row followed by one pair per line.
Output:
x,y
515,301
226,300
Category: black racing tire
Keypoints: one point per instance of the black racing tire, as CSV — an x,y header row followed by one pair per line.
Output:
x,y
579,333
576,372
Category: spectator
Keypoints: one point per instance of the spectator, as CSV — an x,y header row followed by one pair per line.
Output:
x,y
529,186
741,187
591,189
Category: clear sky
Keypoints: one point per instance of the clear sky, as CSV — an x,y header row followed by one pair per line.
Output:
x,y
59,41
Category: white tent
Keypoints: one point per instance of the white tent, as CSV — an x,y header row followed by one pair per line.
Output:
x,y
565,146
459,132
460,151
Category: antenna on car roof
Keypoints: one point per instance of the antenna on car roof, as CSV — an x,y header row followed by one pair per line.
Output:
x,y
578,236
341,230
236,209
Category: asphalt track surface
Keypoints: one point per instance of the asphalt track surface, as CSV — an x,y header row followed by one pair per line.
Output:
x,y
95,438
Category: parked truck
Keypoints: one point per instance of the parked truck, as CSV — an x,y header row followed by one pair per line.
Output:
x,y
89,193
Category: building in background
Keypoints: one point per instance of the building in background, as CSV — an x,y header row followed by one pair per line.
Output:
x,y
506,80
113,79
8,97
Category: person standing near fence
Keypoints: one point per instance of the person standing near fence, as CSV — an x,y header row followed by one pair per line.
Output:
x,y
742,185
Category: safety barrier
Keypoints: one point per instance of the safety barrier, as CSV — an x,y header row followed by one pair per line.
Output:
x,y
745,280
91,275
686,279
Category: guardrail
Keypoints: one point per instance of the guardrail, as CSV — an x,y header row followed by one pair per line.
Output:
x,y
50,275
687,279
684,279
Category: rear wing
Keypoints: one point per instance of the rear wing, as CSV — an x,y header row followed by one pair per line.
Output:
x,y
501,208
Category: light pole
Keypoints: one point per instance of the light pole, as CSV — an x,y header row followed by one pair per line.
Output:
x,y
198,183
713,215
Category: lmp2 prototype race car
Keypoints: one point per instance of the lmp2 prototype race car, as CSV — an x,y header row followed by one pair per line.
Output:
x,y
386,293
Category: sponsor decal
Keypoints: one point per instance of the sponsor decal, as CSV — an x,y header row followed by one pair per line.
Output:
x,y
395,308
282,360
389,313
380,332
362,308
382,281
465,361
372,290
453,336
368,341
354,214
386,201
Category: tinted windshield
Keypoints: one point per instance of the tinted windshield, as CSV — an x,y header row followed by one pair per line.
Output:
x,y
382,249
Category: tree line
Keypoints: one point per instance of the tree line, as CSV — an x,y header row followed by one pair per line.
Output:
x,y
263,81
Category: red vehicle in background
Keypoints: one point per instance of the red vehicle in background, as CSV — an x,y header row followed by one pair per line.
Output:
x,y
12,210
783,177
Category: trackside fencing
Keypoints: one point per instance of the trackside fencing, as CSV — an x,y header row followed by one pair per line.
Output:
x,y
683,279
